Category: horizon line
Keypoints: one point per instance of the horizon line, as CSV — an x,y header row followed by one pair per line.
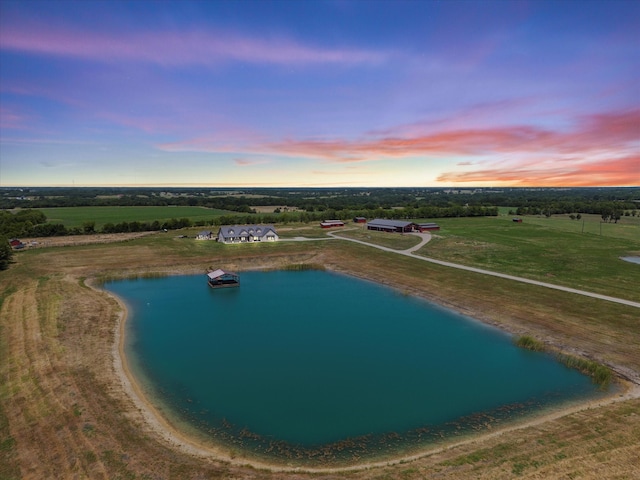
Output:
x,y
228,186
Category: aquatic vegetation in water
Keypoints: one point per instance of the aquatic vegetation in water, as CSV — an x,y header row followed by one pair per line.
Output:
x,y
530,343
600,374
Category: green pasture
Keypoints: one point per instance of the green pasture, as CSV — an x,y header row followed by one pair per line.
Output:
x,y
627,227
384,239
72,217
554,250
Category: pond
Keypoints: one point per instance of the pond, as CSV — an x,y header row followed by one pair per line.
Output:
x,y
323,368
631,259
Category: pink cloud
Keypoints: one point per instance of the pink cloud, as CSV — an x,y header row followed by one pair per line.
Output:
x,y
11,119
609,172
170,48
244,162
592,134
227,140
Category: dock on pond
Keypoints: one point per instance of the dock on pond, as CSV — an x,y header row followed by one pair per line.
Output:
x,y
221,279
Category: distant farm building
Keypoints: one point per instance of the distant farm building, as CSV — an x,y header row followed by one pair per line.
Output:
x,y
247,234
331,223
205,235
359,220
220,279
16,244
517,220
428,227
382,225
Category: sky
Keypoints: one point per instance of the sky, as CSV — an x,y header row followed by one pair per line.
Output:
x,y
362,93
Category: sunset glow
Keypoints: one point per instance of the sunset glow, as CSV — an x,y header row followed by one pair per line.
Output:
x,y
353,93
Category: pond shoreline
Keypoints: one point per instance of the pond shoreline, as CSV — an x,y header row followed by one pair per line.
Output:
x,y
175,436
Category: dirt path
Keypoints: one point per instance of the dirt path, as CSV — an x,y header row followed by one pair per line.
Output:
x,y
410,252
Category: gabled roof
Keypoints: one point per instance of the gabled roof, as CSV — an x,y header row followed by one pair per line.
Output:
x,y
381,222
218,273
246,230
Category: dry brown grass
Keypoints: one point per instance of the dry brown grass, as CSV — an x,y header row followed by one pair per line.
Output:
x,y
64,413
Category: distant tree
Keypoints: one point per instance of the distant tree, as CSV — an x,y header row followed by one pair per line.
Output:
x,y
49,230
89,227
6,253
615,216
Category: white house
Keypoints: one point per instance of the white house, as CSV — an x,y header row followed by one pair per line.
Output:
x,y
247,234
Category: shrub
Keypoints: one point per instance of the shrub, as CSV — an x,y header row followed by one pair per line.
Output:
x,y
529,343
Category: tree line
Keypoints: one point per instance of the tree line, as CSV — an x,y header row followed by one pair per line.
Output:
x,y
538,200
33,223
608,210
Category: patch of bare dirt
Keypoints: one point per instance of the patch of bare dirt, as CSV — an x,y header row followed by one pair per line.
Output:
x,y
71,240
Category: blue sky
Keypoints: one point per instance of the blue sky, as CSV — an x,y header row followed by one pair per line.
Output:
x,y
334,93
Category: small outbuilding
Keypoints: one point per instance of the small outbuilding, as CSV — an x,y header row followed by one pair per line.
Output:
x,y
359,220
205,235
517,220
428,227
16,244
331,223
384,225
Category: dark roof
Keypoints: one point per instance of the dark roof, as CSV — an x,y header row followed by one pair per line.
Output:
x,y
381,222
246,230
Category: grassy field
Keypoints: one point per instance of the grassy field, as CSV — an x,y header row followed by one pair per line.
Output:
x,y
544,249
627,228
72,217
64,413
384,239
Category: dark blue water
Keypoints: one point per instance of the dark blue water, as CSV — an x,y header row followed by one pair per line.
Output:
x,y
293,364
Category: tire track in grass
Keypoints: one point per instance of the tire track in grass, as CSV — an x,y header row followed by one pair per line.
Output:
x,y
69,398
43,425
410,253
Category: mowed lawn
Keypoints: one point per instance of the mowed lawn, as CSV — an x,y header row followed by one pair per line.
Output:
x,y
551,250
72,217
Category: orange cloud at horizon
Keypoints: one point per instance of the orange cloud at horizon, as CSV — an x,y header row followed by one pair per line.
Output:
x,y
603,173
